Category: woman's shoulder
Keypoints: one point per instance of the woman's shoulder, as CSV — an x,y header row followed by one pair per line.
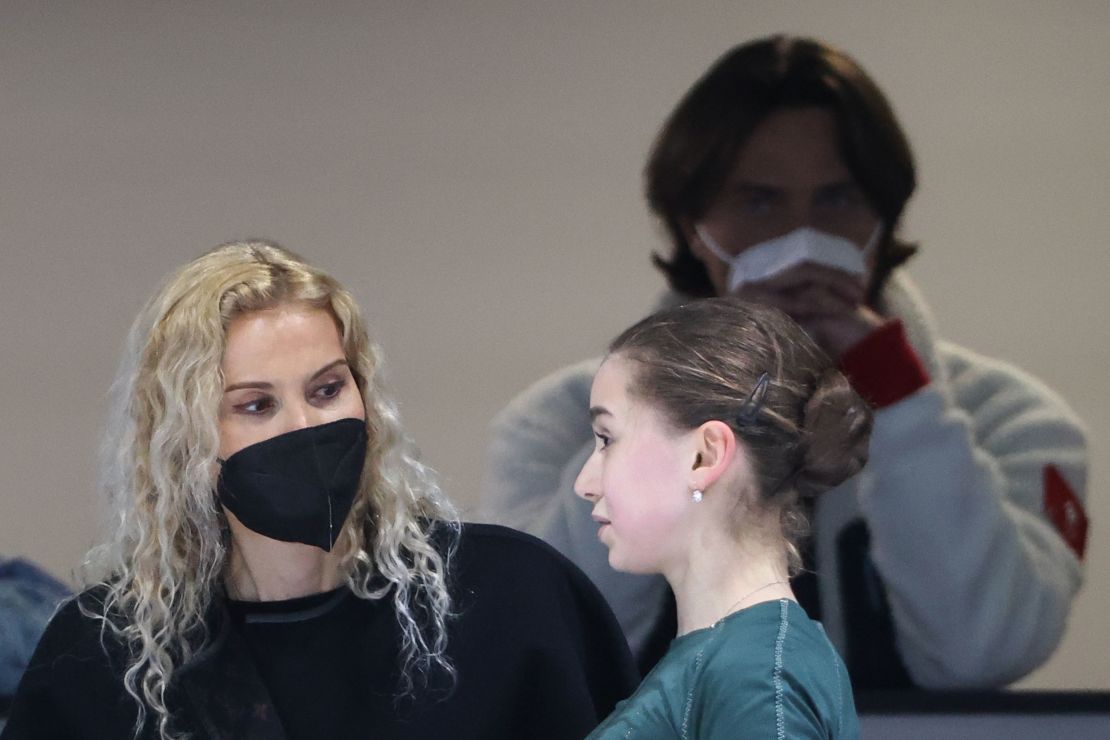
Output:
x,y
76,613
504,559
73,676
529,628
511,550
496,535
515,572
77,633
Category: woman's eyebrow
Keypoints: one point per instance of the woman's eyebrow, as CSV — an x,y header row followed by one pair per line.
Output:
x,y
260,384
265,385
329,366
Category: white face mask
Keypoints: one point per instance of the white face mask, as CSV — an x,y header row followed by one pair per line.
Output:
x,y
804,244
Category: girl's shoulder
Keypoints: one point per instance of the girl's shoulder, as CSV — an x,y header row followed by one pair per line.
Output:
x,y
773,666
773,638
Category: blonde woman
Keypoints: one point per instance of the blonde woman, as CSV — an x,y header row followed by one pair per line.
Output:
x,y
282,566
713,422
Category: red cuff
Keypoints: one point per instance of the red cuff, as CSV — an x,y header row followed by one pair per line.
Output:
x,y
883,367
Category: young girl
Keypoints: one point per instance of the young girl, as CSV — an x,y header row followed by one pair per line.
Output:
x,y
715,421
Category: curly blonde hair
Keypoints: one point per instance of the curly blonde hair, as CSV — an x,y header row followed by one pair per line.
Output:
x,y
163,565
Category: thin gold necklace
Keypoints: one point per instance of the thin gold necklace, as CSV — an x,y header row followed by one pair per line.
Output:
x,y
747,596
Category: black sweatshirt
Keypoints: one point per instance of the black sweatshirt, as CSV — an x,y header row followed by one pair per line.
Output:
x,y
536,652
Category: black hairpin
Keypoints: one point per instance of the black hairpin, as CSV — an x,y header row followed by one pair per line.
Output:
x,y
749,412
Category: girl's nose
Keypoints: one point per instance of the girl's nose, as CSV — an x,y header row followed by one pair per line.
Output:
x,y
585,485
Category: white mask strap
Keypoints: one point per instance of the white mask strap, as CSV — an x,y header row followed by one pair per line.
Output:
x,y
873,240
712,245
721,254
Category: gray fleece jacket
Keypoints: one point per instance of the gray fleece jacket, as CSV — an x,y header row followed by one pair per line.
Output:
x,y
972,501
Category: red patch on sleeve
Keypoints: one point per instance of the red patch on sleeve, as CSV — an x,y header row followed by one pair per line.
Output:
x,y
1065,510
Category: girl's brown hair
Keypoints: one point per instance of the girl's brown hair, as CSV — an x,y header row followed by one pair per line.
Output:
x,y
805,432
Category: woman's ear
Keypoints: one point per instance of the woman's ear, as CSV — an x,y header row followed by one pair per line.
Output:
x,y
715,447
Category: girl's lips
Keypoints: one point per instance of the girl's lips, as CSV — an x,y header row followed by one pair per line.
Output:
x,y
601,521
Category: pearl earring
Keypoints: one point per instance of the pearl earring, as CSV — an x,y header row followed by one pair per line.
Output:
x,y
696,496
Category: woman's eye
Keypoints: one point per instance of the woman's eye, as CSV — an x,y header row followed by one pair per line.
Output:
x,y
255,406
328,391
603,440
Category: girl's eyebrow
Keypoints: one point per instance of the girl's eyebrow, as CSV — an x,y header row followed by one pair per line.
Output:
x,y
596,411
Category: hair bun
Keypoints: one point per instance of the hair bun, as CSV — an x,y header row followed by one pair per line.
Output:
x,y
836,429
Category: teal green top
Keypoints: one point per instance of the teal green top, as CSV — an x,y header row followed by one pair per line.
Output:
x,y
767,671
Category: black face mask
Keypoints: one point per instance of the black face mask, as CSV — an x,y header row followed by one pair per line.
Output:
x,y
298,486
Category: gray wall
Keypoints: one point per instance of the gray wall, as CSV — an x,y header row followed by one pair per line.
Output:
x,y
472,171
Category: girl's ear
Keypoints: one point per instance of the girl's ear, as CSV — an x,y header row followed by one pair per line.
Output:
x,y
715,447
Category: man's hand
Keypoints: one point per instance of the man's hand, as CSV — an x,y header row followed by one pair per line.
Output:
x,y
827,303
